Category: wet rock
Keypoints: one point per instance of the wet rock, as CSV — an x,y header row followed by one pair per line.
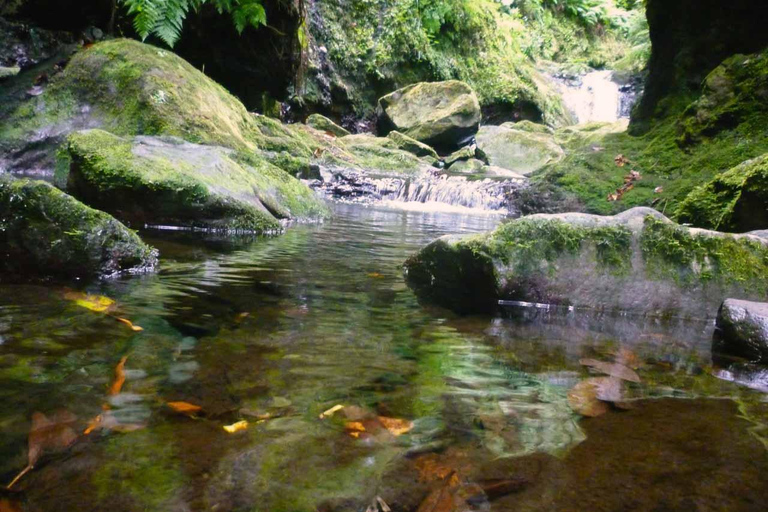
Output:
x,y
166,181
742,330
464,154
45,232
322,123
522,148
444,115
23,46
636,261
736,200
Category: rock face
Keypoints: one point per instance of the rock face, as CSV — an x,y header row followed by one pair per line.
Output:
x,y
444,115
45,232
166,181
636,261
742,330
523,150
689,39
736,200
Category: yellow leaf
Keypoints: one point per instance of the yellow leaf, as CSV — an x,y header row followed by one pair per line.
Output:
x,y
117,384
134,328
396,426
354,428
97,303
236,427
330,412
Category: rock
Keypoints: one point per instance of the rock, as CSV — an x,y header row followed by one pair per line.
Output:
x,y
742,330
444,115
130,88
636,261
523,151
322,123
412,146
734,92
467,167
736,200
22,46
45,232
167,181
464,154
690,39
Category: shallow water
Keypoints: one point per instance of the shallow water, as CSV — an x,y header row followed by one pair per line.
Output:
x,y
291,326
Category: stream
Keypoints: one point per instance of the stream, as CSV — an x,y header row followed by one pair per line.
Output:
x,y
276,331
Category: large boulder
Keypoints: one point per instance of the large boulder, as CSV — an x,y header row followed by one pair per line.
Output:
x,y
129,88
523,149
45,232
167,181
736,200
444,115
742,330
636,261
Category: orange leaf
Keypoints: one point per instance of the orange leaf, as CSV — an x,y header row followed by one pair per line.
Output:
x,y
396,426
375,275
236,427
117,384
354,428
134,328
184,407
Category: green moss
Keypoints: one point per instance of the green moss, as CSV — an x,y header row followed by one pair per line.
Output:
x,y
168,181
527,243
46,232
690,258
324,124
736,200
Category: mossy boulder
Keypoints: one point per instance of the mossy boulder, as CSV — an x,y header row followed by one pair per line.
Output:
x,y
322,123
444,115
736,200
734,93
375,155
167,181
523,151
411,145
44,232
130,88
636,261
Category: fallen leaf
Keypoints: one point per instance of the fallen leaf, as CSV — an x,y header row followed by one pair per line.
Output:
x,y
108,421
375,275
236,427
583,399
621,160
330,412
444,499
184,407
134,328
354,428
52,434
97,303
617,370
396,426
117,384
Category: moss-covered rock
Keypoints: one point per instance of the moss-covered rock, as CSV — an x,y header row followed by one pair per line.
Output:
x,y
167,181
376,155
322,123
736,200
411,145
444,115
736,92
636,261
45,232
520,150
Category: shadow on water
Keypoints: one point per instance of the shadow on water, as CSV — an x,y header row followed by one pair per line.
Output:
x,y
276,331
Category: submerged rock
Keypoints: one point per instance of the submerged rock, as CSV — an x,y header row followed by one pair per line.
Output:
x,y
736,200
742,330
523,149
45,232
166,181
322,123
636,261
444,115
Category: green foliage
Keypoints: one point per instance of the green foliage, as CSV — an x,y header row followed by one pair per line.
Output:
x,y
165,18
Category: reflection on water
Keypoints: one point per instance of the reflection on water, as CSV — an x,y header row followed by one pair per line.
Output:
x,y
276,331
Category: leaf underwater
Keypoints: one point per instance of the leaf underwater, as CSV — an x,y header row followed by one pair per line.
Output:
x,y
99,304
617,370
236,427
184,407
583,398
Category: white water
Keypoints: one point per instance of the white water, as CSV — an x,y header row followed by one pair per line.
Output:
x,y
598,98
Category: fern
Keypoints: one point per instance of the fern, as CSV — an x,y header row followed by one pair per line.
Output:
x,y
164,19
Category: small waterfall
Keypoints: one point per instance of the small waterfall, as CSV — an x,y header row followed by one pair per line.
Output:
x,y
594,97
430,190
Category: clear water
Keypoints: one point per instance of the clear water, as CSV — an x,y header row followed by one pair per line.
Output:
x,y
293,325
